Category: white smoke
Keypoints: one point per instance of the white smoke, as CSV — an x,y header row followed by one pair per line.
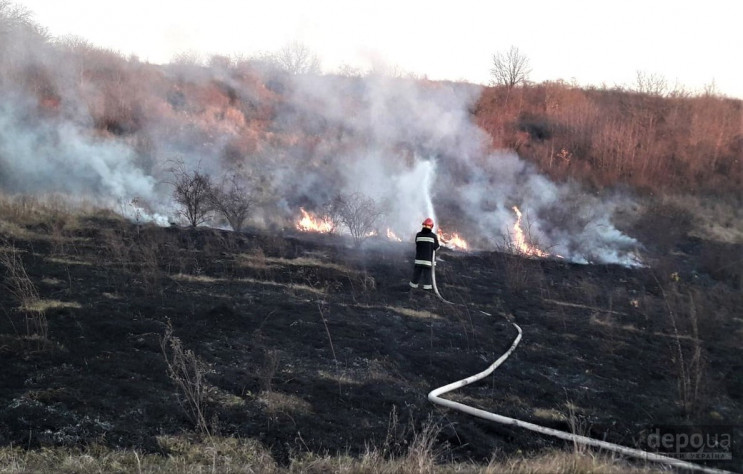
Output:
x,y
411,145
560,219
417,148
50,156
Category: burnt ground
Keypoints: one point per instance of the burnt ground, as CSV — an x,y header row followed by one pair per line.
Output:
x,y
313,345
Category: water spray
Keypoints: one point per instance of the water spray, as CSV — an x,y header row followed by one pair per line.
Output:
x,y
428,179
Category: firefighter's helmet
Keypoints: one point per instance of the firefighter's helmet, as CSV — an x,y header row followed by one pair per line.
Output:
x,y
428,223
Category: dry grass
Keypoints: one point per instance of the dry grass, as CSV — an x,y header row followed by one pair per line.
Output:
x,y
68,261
341,376
549,414
413,313
213,280
712,219
568,463
20,286
26,209
267,371
582,306
198,278
188,373
13,230
610,324
260,261
50,216
223,455
231,455
687,352
52,281
578,426
44,305
17,281
419,460
277,402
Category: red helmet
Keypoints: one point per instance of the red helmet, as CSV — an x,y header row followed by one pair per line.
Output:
x,y
428,223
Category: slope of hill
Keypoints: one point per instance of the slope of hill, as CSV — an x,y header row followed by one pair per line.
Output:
x,y
308,345
297,340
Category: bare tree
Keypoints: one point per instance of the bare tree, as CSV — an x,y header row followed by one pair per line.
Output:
x,y
710,90
510,68
651,84
332,212
12,15
346,70
217,61
193,191
296,58
187,58
381,68
359,213
234,199
18,28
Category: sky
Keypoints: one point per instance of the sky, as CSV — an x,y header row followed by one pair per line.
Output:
x,y
691,44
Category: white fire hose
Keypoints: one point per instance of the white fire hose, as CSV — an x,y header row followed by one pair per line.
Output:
x,y
434,396
433,279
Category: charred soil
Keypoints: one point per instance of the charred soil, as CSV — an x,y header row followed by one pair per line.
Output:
x,y
313,345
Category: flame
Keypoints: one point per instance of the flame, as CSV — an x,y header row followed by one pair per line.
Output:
x,y
311,223
519,239
392,236
452,240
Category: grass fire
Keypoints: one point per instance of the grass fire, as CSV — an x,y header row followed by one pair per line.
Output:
x,y
311,223
206,266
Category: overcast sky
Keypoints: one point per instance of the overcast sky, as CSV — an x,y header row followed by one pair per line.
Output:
x,y
597,42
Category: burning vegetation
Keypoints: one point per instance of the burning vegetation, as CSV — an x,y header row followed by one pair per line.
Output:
x,y
519,241
309,222
304,138
453,240
261,148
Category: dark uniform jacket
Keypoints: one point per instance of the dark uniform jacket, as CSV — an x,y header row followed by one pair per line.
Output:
x,y
426,242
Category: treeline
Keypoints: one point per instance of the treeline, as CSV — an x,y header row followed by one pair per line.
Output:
x,y
609,137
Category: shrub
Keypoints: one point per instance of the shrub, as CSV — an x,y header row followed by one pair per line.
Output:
x,y
188,372
358,213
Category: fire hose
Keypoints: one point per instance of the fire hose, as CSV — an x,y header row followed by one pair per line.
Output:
x,y
435,397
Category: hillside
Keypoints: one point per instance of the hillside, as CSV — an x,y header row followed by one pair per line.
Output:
x,y
304,339
607,223
116,128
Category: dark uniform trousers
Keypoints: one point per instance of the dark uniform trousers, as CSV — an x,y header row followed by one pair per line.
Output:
x,y
422,274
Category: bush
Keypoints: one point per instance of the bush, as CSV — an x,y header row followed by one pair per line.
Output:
x,y
358,213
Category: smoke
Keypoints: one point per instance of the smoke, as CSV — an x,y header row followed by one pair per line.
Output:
x,y
47,156
411,145
415,146
394,134
561,219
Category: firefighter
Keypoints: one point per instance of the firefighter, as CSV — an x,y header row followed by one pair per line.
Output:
x,y
426,242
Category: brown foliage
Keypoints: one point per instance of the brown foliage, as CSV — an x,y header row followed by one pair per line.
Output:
x,y
608,137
